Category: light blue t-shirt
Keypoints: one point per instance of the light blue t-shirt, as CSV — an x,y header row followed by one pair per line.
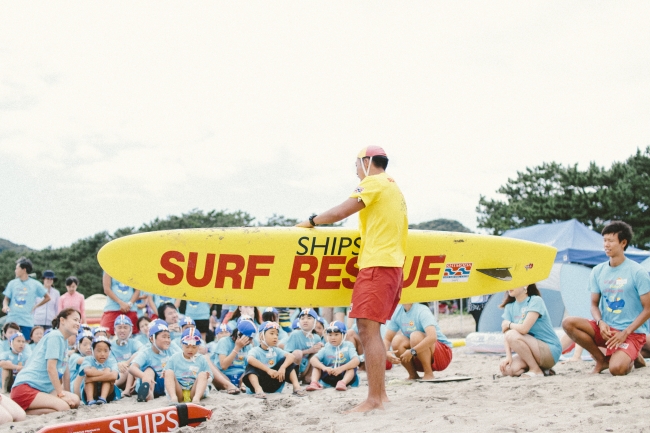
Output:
x,y
336,356
51,346
23,295
224,347
123,292
417,318
269,357
91,362
158,300
124,352
147,358
74,366
542,329
299,341
197,310
620,288
186,371
141,338
14,358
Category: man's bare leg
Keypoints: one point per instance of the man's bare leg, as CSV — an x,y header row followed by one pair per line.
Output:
x,y
424,355
583,334
373,346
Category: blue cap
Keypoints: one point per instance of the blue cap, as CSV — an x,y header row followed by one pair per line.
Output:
x,y
270,310
191,337
265,326
336,327
123,319
223,327
49,274
158,322
100,329
309,311
158,327
322,321
246,327
16,335
187,320
101,339
244,317
83,334
295,324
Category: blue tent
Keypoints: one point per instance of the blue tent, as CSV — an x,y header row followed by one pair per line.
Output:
x,y
575,242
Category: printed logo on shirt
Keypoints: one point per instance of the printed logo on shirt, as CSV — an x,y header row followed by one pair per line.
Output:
x,y
271,362
615,306
457,272
619,283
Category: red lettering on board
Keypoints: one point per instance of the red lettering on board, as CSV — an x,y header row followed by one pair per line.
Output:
x,y
415,264
297,272
427,271
326,271
352,269
234,273
207,273
176,270
253,271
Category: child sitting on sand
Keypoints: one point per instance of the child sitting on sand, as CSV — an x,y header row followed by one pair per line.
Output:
x,y
187,374
230,355
336,363
13,360
269,367
124,350
148,364
303,343
100,371
84,348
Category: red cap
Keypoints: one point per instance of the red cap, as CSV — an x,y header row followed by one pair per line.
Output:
x,y
372,151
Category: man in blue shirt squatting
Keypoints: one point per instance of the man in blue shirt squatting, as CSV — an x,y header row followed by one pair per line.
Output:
x,y
383,225
421,346
620,306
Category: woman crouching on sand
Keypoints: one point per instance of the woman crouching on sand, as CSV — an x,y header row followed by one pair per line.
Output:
x,y
529,333
38,386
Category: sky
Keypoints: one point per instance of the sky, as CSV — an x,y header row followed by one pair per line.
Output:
x,y
115,113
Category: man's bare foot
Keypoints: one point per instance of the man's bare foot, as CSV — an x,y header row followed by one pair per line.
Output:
x,y
600,367
384,398
639,362
416,377
428,377
366,406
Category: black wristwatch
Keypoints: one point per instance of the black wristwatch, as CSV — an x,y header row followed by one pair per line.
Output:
x,y
311,220
414,352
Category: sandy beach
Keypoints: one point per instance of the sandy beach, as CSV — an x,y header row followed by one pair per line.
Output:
x,y
572,400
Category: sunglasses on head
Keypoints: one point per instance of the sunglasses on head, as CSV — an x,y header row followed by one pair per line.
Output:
x,y
333,329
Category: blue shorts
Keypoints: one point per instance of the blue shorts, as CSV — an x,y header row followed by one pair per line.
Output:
x,y
26,331
159,388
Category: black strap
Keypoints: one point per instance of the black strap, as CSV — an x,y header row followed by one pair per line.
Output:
x,y
183,419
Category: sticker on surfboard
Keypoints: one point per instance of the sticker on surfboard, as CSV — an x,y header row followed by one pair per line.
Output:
x,y
457,272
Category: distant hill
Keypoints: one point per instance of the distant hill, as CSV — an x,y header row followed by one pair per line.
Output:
x,y
6,245
443,225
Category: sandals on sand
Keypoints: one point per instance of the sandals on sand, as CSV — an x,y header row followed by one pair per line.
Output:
x,y
314,386
101,400
341,386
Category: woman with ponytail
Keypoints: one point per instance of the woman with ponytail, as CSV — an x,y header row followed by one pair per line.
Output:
x,y
38,387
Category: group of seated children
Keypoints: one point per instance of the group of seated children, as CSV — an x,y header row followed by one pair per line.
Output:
x,y
174,360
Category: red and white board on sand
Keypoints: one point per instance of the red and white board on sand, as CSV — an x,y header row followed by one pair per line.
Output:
x,y
160,420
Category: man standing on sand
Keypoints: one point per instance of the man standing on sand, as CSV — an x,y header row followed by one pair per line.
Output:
x,y
620,306
383,225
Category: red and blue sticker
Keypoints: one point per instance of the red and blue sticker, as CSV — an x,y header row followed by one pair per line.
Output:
x,y
457,272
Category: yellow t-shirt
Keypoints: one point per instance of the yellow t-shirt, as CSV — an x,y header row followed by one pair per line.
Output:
x,y
383,222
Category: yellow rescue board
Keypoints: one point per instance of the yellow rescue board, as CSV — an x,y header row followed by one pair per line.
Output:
x,y
293,267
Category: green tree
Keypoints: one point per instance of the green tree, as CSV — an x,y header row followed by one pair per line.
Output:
x,y
442,225
553,192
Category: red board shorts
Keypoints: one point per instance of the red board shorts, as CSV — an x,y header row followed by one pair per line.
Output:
x,y
376,293
631,347
108,320
441,358
23,395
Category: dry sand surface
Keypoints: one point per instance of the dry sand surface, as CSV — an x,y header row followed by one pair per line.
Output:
x,y
571,401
